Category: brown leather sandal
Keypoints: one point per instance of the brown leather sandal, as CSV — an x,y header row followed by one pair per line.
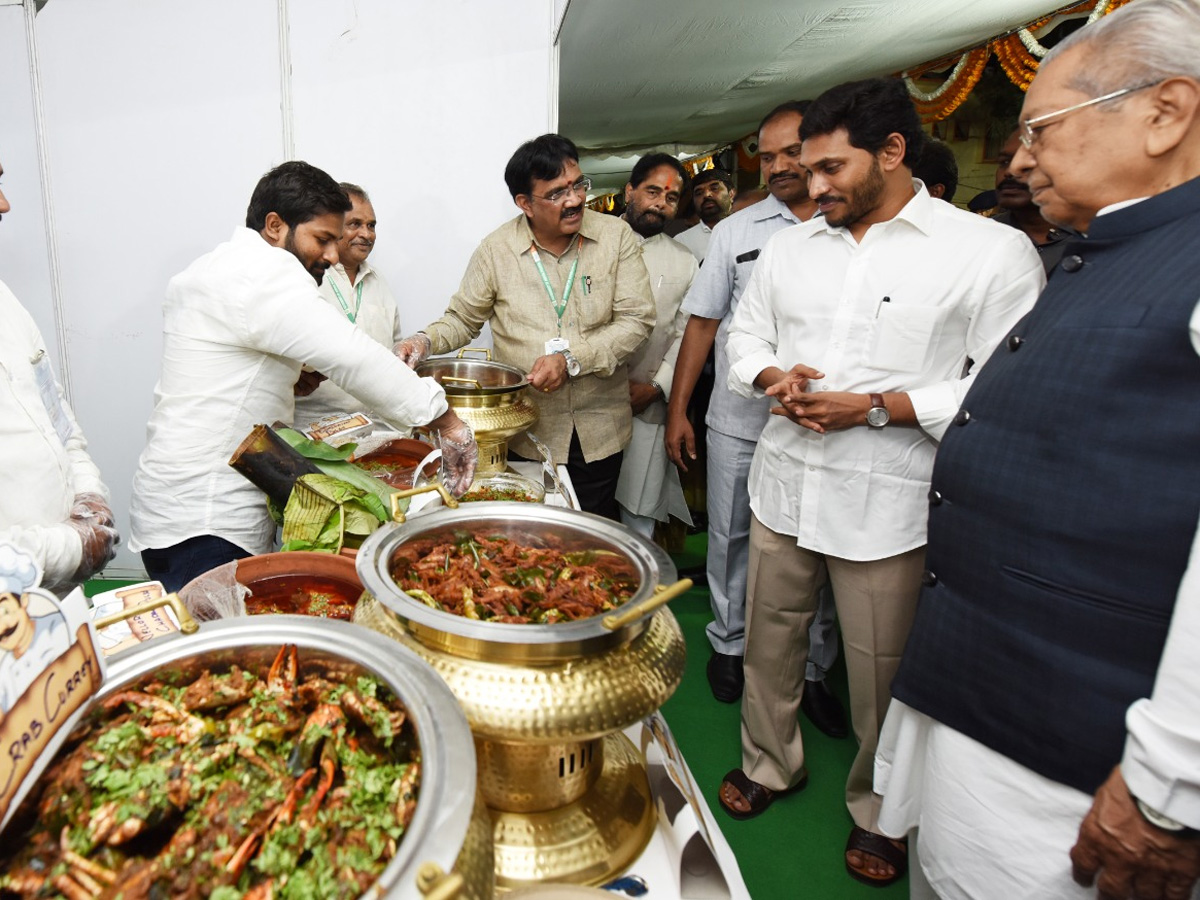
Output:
x,y
756,795
881,847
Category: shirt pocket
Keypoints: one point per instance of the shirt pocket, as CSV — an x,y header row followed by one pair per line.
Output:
x,y
905,335
595,299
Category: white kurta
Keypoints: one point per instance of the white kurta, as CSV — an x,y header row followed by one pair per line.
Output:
x,y
237,325
900,311
377,316
649,482
44,461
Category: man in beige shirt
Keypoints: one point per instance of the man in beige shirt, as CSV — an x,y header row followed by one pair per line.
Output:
x,y
568,299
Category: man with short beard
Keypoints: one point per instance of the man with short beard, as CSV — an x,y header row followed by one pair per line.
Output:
x,y
1018,210
568,300
238,324
649,489
735,424
864,351
358,292
712,196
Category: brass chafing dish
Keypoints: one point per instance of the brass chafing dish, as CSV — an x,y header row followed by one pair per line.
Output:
x,y
448,832
567,792
487,395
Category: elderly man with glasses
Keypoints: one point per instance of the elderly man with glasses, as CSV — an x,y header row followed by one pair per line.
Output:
x,y
568,299
1044,740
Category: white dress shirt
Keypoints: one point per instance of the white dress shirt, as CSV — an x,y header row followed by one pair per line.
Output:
x,y
696,239
902,311
736,243
44,461
237,325
377,316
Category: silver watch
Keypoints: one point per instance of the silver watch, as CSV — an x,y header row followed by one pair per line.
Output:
x,y
878,415
573,367
1158,820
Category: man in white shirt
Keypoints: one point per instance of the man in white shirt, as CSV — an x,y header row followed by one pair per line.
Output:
x,y
1044,739
648,489
864,350
358,292
734,424
712,196
53,504
238,324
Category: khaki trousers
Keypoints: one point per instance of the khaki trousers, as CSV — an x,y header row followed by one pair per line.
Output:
x,y
876,602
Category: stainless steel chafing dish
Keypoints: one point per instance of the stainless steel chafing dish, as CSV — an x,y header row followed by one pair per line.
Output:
x,y
449,830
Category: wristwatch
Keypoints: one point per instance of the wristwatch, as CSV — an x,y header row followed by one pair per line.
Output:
x,y
573,367
1158,820
877,415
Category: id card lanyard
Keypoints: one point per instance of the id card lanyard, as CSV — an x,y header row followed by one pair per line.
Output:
x,y
559,308
351,314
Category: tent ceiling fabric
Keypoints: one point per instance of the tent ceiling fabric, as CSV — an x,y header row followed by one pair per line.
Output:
x,y
636,74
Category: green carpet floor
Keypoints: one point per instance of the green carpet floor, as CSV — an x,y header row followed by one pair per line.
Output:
x,y
793,851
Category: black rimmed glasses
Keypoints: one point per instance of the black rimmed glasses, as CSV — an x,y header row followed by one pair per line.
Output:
x,y
581,187
1031,127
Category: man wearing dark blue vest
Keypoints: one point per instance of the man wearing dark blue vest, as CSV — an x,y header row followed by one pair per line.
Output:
x,y
1044,740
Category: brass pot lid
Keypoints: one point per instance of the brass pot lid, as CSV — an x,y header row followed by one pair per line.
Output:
x,y
473,377
648,563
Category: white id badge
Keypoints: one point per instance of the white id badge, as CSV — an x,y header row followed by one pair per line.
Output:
x,y
43,376
557,345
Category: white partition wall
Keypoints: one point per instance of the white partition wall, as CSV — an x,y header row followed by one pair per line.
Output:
x,y
159,117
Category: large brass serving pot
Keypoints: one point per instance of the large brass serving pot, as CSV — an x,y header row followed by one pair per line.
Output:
x,y
448,832
487,395
568,793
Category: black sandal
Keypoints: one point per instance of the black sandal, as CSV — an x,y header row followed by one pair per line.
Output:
x,y
881,847
756,795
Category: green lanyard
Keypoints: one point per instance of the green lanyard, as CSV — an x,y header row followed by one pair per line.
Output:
x,y
559,309
352,316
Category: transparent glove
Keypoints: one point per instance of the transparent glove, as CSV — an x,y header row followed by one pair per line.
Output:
x,y
91,505
460,455
99,545
413,349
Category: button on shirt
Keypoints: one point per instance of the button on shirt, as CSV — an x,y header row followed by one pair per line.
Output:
x,y
954,285
237,325
609,315
377,317
44,461
715,294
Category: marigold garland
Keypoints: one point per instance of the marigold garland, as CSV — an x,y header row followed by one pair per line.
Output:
x,y
1018,54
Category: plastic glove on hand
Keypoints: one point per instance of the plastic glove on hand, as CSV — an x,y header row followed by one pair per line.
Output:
x,y
90,505
460,455
99,542
412,350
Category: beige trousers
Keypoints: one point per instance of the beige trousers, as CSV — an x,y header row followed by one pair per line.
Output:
x,y
876,602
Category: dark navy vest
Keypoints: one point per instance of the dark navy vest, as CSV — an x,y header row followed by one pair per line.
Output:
x,y
1064,502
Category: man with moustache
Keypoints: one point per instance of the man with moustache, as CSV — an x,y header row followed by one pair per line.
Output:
x,y
712,196
568,299
238,324
1045,723
53,504
357,291
1018,210
648,489
865,353
735,424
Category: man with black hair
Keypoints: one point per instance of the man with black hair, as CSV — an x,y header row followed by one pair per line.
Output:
x,y
734,424
238,325
356,290
712,196
1016,208
568,299
864,353
649,488
938,170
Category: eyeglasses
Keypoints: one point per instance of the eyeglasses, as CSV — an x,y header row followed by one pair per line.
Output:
x,y
581,187
1031,127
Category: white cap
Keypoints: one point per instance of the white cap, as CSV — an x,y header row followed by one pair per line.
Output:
x,y
18,570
